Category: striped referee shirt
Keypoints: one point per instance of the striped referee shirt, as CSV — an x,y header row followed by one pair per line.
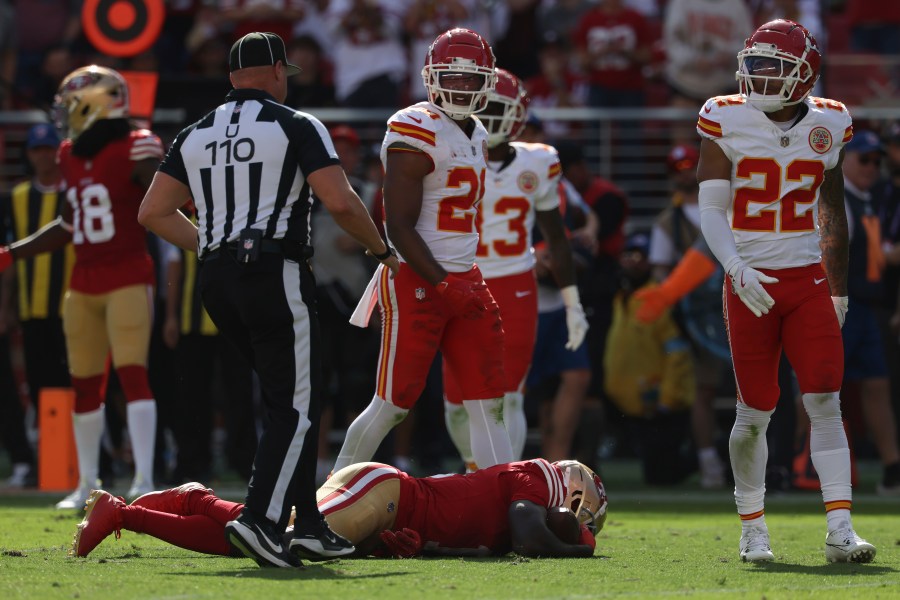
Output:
x,y
246,163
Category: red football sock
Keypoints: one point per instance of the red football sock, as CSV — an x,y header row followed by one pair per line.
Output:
x,y
198,532
220,511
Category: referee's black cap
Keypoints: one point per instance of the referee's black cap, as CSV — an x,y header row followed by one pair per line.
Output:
x,y
259,49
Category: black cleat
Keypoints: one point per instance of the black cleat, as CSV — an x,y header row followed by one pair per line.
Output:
x,y
256,539
321,545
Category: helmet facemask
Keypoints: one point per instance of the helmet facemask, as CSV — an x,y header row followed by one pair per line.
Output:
x,y
467,84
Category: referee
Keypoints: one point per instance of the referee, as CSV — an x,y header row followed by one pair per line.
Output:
x,y
250,167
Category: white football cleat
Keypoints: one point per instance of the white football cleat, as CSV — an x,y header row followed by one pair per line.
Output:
x,y
77,499
754,545
843,545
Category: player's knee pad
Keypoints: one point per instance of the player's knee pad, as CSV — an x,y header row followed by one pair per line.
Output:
x,y
88,393
822,406
135,385
751,420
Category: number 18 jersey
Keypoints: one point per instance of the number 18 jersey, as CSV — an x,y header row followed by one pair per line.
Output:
x,y
110,244
454,187
776,175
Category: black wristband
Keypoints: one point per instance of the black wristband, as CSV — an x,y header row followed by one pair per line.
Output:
x,y
384,255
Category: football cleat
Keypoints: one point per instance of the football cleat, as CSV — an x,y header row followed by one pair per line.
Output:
x,y
173,501
754,545
77,499
104,516
843,545
322,545
257,539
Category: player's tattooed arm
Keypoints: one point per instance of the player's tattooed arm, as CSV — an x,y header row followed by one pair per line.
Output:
x,y
835,237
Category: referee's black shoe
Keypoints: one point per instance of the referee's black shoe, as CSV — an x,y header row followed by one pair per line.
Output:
x,y
257,539
319,542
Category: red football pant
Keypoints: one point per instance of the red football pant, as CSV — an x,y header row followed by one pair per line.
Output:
x,y
416,323
517,297
202,529
802,321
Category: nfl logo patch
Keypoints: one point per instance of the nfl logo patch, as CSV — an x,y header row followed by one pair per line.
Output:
x,y
420,294
248,244
820,140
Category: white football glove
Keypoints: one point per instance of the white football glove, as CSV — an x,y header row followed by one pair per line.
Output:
x,y
747,284
841,306
576,322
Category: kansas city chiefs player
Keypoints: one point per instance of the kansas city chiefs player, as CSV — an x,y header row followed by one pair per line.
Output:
x,y
772,212
521,188
384,511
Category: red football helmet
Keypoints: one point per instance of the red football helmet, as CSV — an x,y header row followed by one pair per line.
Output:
x,y
506,110
456,58
778,66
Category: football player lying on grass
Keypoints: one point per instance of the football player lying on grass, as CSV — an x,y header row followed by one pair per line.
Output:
x,y
385,512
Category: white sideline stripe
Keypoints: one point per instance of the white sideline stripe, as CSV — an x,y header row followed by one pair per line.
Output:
x,y
360,484
727,497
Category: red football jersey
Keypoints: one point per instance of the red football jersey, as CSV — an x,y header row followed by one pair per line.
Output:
x,y
110,244
470,511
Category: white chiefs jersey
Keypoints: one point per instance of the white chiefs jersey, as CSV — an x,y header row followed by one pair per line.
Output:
x,y
776,175
454,187
507,212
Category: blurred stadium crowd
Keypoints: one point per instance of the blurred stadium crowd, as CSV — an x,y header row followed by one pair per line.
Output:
x,y
633,72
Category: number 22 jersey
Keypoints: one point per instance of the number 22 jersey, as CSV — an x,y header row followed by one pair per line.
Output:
x,y
110,244
776,176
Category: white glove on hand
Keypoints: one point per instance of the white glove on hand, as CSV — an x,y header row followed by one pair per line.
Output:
x,y
576,322
747,284
841,306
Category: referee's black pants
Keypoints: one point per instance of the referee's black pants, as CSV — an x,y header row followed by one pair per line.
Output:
x,y
267,309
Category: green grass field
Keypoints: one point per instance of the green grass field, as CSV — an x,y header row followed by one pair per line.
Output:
x,y
657,543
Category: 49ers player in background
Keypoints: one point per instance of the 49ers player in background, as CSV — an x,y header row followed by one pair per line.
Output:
x,y
772,212
521,187
435,158
384,511
107,167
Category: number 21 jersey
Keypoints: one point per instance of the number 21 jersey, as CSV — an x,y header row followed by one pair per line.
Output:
x,y
453,188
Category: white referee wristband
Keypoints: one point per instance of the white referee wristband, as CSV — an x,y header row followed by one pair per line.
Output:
x,y
570,296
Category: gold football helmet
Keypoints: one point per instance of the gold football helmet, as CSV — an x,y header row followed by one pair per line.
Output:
x,y
585,494
88,95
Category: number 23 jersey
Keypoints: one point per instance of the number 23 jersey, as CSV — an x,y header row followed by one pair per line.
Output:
x,y
506,214
776,176
453,188
110,244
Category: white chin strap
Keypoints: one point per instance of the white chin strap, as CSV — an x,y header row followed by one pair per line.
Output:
x,y
765,103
